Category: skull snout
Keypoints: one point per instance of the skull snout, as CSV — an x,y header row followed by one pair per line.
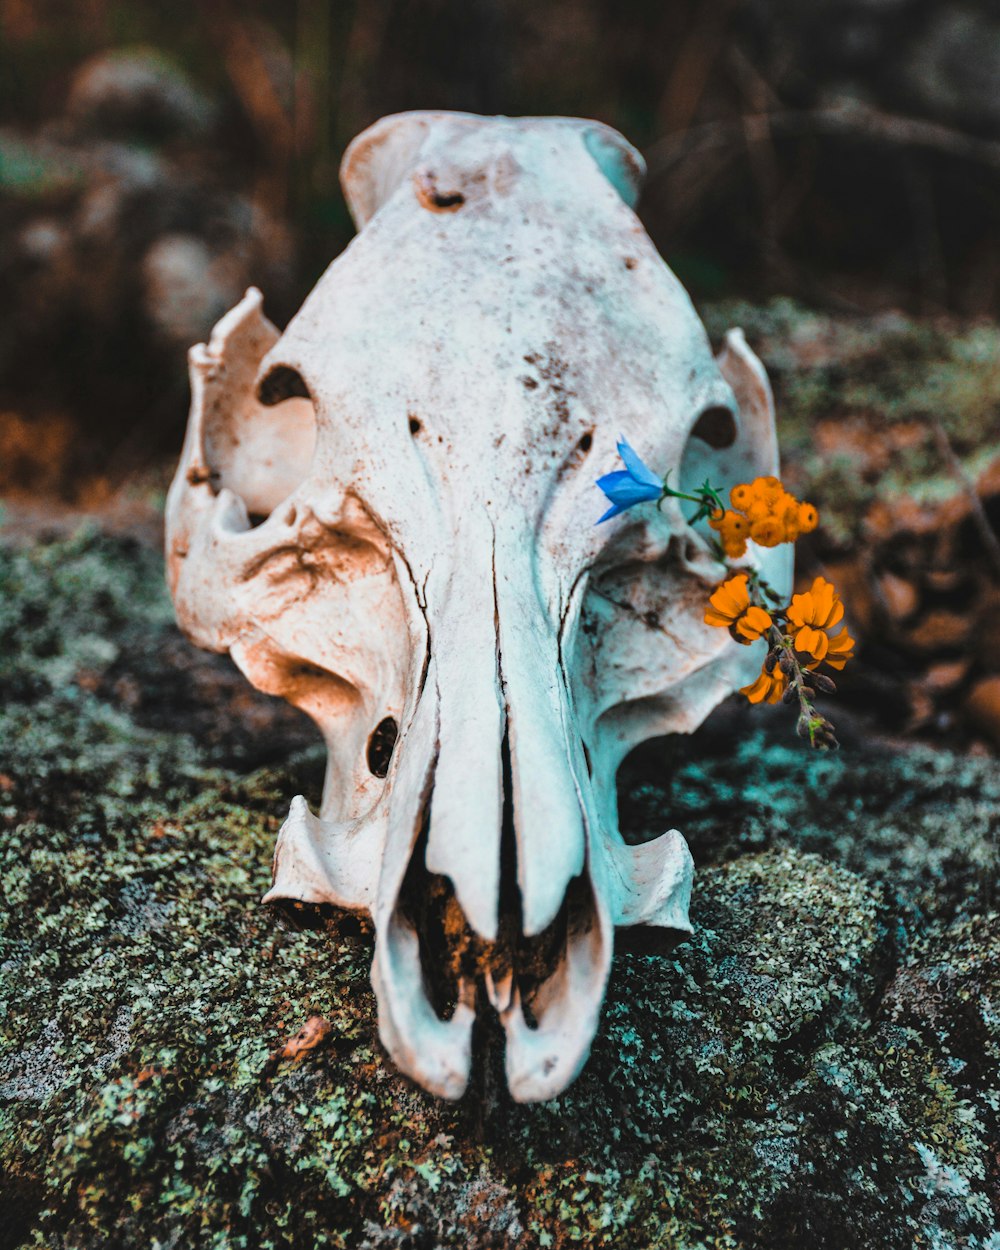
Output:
x,y
507,786
496,907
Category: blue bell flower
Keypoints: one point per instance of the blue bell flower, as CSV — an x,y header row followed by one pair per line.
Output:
x,y
634,484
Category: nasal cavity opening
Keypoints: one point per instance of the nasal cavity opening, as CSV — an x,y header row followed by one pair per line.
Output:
x,y
716,427
453,957
427,903
381,745
510,894
531,959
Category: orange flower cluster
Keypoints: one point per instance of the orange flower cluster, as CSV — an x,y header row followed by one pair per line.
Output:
x,y
808,619
799,637
764,512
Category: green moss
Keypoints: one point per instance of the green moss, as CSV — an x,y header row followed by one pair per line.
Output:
x,y
817,1065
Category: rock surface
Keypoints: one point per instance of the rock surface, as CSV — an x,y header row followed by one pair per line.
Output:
x,y
819,1065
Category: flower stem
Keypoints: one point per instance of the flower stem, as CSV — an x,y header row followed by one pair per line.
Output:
x,y
810,721
708,498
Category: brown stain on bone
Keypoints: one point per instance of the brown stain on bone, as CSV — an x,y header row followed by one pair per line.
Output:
x,y
435,196
446,190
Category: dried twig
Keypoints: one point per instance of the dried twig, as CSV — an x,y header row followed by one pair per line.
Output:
x,y
698,51
248,70
854,119
979,517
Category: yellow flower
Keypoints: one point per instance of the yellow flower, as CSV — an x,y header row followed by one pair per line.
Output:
x,y
758,510
787,513
808,518
840,650
733,530
811,616
768,531
768,688
819,607
769,489
742,496
730,608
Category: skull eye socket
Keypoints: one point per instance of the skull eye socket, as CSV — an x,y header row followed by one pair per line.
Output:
x,y
381,745
707,453
281,383
258,439
716,427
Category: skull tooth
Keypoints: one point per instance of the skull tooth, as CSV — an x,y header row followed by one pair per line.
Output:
x,y
317,861
501,991
542,1060
435,1052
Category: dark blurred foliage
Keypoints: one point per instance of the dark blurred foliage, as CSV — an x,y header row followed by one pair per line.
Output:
x,y
155,160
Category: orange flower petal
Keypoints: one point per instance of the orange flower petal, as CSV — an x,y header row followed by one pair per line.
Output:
x,y
768,687
840,651
799,609
828,607
812,642
725,604
753,623
759,690
732,597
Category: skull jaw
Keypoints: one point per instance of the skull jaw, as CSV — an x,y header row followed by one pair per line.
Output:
x,y
550,1027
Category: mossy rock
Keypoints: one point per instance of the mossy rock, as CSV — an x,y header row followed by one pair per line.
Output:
x,y
817,1065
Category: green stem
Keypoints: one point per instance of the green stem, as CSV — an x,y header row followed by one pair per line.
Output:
x,y
780,642
708,498
670,493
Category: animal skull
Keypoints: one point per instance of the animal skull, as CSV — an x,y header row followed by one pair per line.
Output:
x,y
386,516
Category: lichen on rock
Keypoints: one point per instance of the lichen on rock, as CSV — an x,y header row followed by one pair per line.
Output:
x,y
817,1065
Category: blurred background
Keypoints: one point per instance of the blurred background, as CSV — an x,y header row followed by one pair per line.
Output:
x,y
825,174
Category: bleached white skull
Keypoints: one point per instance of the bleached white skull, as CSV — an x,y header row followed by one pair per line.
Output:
x,y
387,516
